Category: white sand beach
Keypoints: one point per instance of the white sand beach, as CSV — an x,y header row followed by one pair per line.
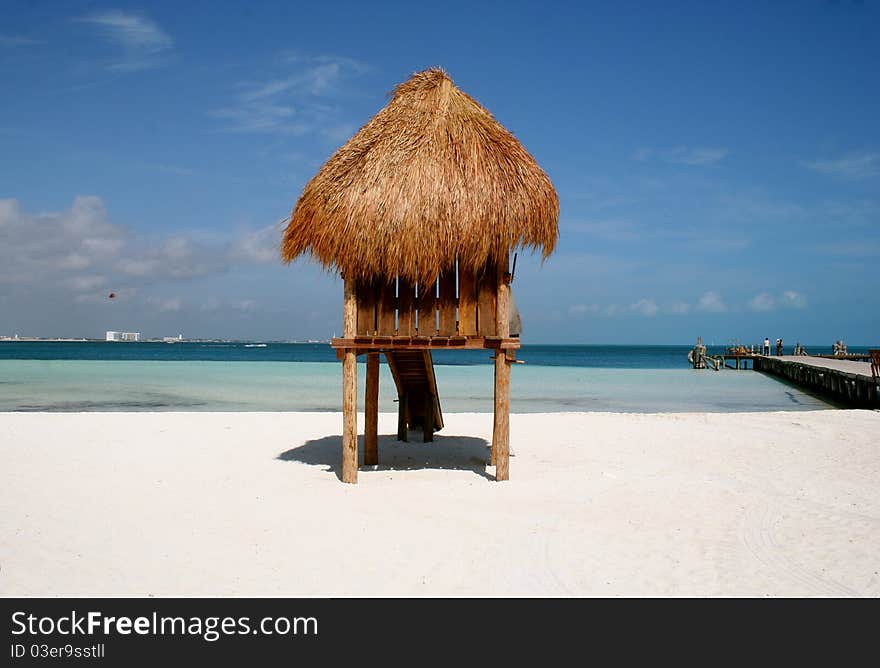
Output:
x,y
778,504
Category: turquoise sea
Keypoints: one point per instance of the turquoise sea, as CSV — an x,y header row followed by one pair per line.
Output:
x,y
99,376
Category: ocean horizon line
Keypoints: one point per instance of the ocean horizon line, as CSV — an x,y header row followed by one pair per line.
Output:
x,y
525,342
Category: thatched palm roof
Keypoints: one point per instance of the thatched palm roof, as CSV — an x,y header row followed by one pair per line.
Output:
x,y
431,177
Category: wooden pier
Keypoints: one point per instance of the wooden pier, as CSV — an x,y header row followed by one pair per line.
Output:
x,y
845,381
738,359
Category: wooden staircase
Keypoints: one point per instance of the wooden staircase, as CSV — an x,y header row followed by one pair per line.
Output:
x,y
419,405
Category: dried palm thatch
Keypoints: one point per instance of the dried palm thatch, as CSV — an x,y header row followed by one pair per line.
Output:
x,y
432,177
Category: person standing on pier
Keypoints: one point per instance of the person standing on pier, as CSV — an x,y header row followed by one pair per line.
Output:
x,y
767,345
779,347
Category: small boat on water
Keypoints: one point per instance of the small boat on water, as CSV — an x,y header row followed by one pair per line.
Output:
x,y
254,345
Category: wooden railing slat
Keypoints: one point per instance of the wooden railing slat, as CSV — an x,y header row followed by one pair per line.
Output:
x,y
366,308
487,287
448,302
427,310
467,303
387,303
406,321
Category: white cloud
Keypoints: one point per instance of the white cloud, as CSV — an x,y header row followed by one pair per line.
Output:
x,y
580,310
762,302
852,166
142,41
172,304
87,283
211,304
792,299
261,246
767,302
55,246
74,261
645,307
612,310
711,302
680,308
244,305
81,251
102,245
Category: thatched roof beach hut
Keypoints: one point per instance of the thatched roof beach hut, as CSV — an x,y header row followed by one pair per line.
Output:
x,y
420,211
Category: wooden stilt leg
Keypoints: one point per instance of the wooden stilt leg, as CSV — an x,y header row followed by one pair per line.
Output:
x,y
501,424
349,388
501,430
493,451
402,434
371,410
349,418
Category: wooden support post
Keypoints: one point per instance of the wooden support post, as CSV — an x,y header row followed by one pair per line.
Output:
x,y
501,426
349,389
501,431
371,409
402,433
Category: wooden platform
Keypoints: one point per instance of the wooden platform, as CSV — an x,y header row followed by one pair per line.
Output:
x,y
362,344
842,380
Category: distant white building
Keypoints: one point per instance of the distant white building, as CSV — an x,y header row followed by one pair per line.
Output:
x,y
123,336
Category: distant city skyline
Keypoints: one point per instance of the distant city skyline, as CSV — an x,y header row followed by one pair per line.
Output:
x,y
718,167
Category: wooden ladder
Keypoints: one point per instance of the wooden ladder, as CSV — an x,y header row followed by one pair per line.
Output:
x,y
419,405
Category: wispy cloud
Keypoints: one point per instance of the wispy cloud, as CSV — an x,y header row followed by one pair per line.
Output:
x,y
683,155
847,248
580,310
166,304
260,247
852,166
609,230
165,168
261,117
645,307
14,41
711,302
762,302
298,102
316,75
700,155
792,299
142,41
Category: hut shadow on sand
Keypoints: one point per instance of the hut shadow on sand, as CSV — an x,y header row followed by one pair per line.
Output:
x,y
455,453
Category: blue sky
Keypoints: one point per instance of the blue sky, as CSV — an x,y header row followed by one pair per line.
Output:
x,y
718,164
